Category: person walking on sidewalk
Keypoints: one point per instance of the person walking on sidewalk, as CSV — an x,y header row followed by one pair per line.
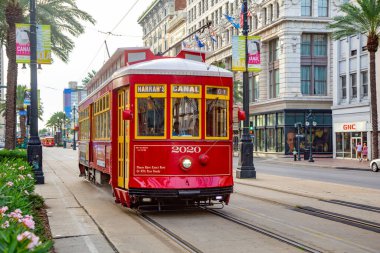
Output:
x,y
359,149
365,152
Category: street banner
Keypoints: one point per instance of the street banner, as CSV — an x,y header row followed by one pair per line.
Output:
x,y
43,33
239,53
254,55
27,97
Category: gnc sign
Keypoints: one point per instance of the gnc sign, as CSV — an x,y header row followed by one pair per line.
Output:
x,y
349,127
360,126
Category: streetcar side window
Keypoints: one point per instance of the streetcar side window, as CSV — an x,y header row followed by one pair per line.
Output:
x,y
217,103
185,111
151,113
185,121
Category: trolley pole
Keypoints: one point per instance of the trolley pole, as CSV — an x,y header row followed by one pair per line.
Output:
x,y
246,169
34,143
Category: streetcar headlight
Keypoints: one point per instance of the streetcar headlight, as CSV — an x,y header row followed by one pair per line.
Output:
x,y
186,163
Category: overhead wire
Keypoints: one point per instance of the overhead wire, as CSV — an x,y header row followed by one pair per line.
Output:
x,y
107,35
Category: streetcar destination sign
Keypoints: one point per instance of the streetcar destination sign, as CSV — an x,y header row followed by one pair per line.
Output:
x,y
186,89
151,89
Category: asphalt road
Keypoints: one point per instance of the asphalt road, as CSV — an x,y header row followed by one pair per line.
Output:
x,y
366,179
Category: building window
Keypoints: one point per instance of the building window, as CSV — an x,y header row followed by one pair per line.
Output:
x,y
273,50
320,80
323,8
316,85
305,80
364,82
306,45
320,44
354,90
305,7
256,88
264,16
277,10
343,84
274,85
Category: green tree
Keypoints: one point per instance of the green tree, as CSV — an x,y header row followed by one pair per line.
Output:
x,y
360,17
21,108
238,92
64,18
88,78
57,121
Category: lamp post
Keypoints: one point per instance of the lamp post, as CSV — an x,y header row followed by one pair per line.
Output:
x,y
74,141
246,168
310,123
34,143
298,125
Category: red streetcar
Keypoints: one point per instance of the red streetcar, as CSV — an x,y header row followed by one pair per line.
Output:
x,y
48,142
158,129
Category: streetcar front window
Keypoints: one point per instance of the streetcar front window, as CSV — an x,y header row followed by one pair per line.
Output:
x,y
185,121
151,113
216,118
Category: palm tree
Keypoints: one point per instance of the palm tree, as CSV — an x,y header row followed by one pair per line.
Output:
x,y
88,78
64,18
363,17
20,107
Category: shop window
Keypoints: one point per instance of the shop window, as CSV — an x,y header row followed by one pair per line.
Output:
x,y
271,119
280,139
280,119
260,140
260,120
271,139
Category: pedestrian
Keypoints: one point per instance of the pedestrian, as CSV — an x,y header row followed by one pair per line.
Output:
x,y
365,152
359,150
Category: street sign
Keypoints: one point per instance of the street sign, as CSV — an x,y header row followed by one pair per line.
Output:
x,y
300,135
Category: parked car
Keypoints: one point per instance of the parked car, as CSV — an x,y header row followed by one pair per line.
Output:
x,y
375,165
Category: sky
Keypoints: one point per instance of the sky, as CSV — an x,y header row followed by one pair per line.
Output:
x,y
90,52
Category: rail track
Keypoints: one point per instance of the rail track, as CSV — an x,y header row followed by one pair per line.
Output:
x,y
176,238
369,208
266,232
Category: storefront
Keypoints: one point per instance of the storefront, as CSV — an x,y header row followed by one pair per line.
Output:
x,y
275,132
348,135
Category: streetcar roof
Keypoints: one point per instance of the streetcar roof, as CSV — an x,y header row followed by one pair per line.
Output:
x,y
173,66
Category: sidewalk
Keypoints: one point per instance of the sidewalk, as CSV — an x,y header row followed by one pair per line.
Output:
x,y
345,164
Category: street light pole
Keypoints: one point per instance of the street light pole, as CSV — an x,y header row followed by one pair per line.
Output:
x,y
34,143
246,169
74,142
311,123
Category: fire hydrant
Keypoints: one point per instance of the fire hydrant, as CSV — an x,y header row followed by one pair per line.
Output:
x,y
295,155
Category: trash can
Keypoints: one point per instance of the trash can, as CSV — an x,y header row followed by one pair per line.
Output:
x,y
306,154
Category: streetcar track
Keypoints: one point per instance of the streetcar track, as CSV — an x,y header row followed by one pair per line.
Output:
x,y
176,238
354,205
348,220
265,232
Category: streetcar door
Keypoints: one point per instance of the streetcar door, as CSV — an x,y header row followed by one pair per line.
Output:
x,y
123,138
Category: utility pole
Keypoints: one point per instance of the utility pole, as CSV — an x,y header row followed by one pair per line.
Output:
x,y
34,143
246,169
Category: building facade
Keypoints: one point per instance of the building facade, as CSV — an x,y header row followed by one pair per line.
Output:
x,y
162,23
352,104
71,98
